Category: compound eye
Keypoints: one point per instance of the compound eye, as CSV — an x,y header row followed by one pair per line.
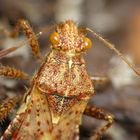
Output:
x,y
55,38
87,43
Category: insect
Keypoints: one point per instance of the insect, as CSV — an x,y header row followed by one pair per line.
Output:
x,y
57,98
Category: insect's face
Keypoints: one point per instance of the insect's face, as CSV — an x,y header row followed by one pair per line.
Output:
x,y
68,38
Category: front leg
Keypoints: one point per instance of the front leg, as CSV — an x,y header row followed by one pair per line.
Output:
x,y
32,38
100,114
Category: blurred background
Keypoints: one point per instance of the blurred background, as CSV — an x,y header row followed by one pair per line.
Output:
x,y
116,20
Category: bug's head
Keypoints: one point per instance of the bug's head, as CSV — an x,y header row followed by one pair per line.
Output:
x,y
68,37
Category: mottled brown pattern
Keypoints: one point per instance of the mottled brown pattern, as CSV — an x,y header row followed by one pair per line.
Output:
x,y
59,105
71,39
52,108
55,77
68,126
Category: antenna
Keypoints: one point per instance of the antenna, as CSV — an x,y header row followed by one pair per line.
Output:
x,y
112,47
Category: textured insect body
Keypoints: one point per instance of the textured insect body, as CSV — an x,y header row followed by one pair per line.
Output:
x,y
53,106
57,98
60,83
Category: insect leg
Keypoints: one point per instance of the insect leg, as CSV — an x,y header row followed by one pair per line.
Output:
x,y
100,79
100,114
13,73
24,25
7,106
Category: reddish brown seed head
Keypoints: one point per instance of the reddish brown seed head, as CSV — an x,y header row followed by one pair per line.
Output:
x,y
68,38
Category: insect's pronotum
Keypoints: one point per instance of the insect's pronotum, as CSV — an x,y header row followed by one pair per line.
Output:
x,y
57,98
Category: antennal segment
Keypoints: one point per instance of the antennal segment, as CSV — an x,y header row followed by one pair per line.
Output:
x,y
23,43
112,47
